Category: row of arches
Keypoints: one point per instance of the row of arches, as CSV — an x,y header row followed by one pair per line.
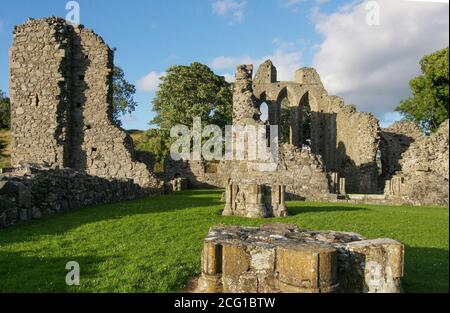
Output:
x,y
294,121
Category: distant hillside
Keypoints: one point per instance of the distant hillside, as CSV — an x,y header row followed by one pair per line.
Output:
x,y
135,134
5,148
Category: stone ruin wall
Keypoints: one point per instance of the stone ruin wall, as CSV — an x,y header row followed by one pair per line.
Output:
x,y
66,150
347,149
300,171
39,93
60,78
423,177
396,140
429,154
357,144
33,192
351,154
196,172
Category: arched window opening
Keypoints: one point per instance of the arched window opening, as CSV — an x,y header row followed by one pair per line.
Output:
x,y
285,131
305,117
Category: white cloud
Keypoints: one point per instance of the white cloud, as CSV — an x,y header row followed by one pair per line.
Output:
x,y
150,82
233,10
223,62
387,119
286,61
229,77
370,66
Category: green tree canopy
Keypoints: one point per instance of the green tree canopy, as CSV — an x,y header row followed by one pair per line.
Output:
x,y
156,141
123,92
5,116
192,91
429,103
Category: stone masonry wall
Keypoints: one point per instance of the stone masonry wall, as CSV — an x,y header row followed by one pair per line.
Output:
x,y
395,140
33,192
424,175
39,91
105,150
60,78
357,142
301,171
346,140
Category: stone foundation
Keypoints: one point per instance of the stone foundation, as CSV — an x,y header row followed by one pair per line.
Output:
x,y
283,258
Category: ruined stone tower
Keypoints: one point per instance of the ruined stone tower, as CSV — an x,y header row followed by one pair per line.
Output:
x,y
61,102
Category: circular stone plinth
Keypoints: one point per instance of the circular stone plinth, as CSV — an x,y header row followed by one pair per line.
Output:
x,y
283,258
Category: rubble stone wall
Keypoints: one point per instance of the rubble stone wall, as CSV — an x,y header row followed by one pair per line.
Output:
x,y
301,171
196,173
39,92
357,144
396,140
61,96
346,140
424,175
33,192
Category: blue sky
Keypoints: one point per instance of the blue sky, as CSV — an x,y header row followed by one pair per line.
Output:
x,y
152,35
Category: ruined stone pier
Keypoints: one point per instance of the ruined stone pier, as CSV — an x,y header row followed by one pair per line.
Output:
x,y
283,258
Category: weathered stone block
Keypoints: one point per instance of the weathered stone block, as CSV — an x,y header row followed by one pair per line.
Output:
x,y
210,284
306,266
380,264
282,258
212,258
262,257
235,260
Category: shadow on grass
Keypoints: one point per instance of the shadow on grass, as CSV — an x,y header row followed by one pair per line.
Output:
x,y
67,220
23,273
299,209
426,270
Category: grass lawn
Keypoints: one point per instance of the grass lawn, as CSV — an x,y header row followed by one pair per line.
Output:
x,y
154,244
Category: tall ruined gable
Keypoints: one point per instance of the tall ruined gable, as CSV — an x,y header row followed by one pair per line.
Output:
x,y
61,101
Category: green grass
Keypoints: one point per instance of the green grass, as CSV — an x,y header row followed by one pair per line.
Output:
x,y
154,244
